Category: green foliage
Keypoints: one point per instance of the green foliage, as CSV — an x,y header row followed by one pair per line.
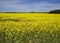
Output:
x,y
55,11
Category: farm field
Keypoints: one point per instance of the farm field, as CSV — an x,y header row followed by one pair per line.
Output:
x,y
29,28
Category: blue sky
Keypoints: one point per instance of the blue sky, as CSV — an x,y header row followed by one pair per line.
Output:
x,y
28,5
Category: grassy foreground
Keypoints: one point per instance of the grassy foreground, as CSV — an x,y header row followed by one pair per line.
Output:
x,y
29,28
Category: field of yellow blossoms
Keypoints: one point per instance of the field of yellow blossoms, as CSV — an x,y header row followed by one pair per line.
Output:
x,y
29,28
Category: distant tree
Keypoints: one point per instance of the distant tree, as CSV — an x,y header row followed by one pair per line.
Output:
x,y
32,12
55,11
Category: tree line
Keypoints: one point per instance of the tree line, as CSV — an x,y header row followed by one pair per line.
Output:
x,y
55,11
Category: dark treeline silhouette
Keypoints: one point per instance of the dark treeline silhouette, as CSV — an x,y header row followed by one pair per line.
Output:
x,y
55,11
51,12
24,12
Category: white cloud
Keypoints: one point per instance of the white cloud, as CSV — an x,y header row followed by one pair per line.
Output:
x,y
14,6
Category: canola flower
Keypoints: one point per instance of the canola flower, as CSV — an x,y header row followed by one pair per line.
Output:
x,y
26,30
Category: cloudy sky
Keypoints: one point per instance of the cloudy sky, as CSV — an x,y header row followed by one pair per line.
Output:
x,y
28,5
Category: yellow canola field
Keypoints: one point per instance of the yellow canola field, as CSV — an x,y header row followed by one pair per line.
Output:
x,y
29,28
